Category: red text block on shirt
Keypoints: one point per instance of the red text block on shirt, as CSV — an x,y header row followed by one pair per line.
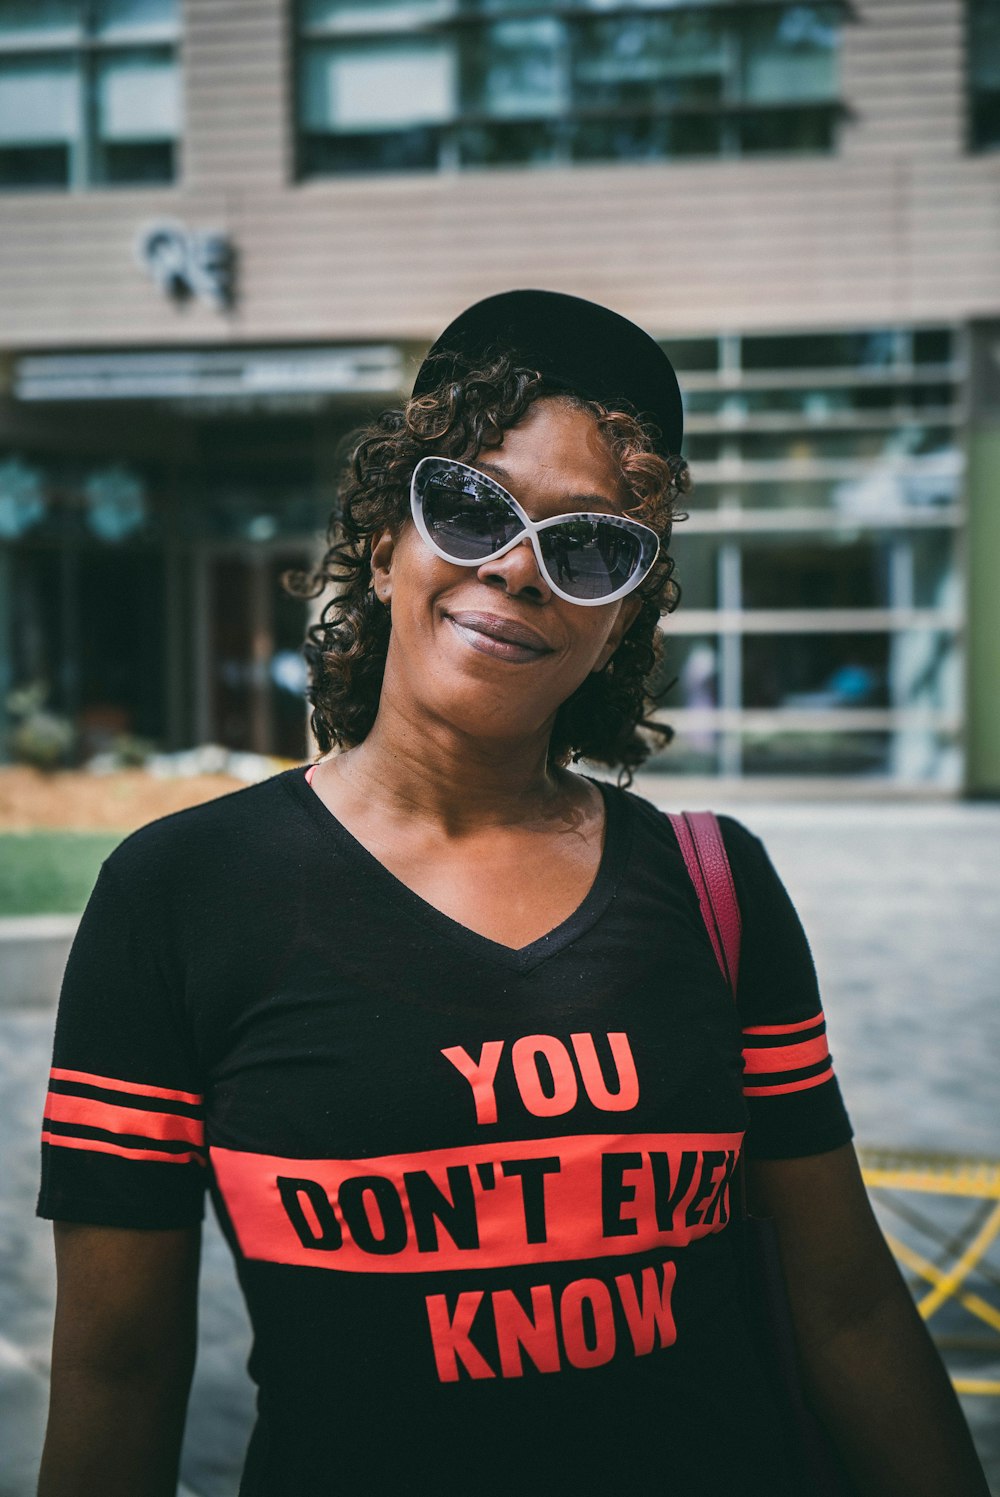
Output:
x,y
544,1200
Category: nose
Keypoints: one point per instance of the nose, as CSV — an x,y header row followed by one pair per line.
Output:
x,y
517,572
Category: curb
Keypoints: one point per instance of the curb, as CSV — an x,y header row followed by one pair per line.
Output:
x,y
33,952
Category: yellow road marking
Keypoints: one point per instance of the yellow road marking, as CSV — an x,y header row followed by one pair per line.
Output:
x,y
976,1385
984,1187
963,1265
946,1175
972,1302
940,1174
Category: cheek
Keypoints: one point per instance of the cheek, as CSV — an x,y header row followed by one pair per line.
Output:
x,y
603,637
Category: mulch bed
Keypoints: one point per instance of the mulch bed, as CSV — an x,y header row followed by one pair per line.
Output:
x,y
73,800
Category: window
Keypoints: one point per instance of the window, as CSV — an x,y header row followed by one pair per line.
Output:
x,y
89,92
390,85
820,618
983,50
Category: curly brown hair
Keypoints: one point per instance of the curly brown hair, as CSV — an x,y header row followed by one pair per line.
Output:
x,y
346,650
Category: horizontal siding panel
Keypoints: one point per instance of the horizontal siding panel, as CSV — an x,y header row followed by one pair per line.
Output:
x,y
888,91
914,10
971,185
899,223
242,106
702,255
904,48
226,165
900,138
234,69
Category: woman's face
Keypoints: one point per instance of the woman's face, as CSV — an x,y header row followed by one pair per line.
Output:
x,y
447,653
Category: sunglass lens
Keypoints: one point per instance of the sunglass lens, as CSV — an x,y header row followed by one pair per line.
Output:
x,y
468,519
593,558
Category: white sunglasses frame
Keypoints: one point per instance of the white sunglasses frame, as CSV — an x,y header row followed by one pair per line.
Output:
x,y
531,529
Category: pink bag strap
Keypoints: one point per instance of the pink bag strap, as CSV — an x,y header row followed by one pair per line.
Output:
x,y
700,839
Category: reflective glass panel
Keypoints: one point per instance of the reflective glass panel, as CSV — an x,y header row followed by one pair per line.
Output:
x,y
911,441
808,571
702,448
644,138
328,16
789,54
925,671
47,21
152,18
687,675
692,751
807,128
874,348
138,97
416,149
817,753
695,355
39,100
697,570
883,488
516,69
984,73
816,670
936,581
787,493
821,403
933,345
509,141
880,490
488,6
378,86
637,60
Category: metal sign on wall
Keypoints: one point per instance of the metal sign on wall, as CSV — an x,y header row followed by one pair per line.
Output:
x,y
185,374
189,263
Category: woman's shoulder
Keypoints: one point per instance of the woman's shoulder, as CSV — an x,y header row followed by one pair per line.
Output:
x,y
222,829
740,842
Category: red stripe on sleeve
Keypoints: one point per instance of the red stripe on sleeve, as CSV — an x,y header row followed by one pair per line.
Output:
x,y
134,1088
101,1146
167,1126
785,1028
758,1058
789,1086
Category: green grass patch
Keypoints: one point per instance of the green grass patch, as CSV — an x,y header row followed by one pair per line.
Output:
x,y
50,873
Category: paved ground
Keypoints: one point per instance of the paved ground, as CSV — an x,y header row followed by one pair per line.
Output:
x,y
901,904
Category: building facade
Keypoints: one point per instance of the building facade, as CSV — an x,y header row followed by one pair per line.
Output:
x,y
229,231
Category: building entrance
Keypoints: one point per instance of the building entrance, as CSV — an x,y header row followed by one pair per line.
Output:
x,y
249,670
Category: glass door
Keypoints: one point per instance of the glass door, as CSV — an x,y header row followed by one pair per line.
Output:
x,y
250,668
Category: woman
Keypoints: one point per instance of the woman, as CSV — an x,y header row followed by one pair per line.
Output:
x,y
442,1018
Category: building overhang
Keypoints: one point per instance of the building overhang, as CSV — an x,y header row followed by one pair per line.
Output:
x,y
191,374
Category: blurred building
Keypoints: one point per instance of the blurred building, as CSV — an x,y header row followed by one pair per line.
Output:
x,y
228,231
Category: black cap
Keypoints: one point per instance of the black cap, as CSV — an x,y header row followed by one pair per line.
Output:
x,y
578,345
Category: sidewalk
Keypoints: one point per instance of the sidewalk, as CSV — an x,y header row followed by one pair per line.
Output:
x,y
901,904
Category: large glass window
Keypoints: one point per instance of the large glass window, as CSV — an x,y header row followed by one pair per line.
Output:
x,y
89,92
820,618
983,48
439,83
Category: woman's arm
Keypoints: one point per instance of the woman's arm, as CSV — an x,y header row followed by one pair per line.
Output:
x,y
869,1366
122,1357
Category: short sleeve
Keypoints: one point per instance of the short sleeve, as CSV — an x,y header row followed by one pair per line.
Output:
x,y
793,1099
123,1133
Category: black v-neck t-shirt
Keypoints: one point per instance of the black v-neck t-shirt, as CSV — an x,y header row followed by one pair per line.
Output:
x,y
478,1199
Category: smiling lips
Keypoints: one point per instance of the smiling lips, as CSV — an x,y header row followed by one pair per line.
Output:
x,y
504,638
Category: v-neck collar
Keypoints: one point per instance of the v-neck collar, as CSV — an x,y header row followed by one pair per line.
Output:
x,y
614,856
